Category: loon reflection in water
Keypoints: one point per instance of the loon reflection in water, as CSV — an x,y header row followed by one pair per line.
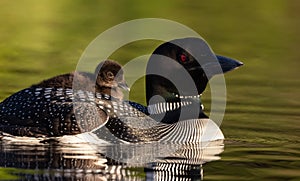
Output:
x,y
55,159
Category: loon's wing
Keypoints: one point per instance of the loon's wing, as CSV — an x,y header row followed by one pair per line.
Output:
x,y
50,112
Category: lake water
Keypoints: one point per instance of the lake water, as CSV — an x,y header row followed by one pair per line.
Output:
x,y
261,123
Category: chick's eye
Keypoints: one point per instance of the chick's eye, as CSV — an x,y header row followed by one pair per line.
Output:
x,y
110,75
183,58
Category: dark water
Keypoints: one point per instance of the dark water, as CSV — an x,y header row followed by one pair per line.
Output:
x,y
261,124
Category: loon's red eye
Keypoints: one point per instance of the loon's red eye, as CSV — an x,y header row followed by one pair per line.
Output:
x,y
183,58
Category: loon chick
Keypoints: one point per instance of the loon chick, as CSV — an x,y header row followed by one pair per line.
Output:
x,y
108,79
53,108
169,94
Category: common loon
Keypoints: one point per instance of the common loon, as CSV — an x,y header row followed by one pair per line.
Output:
x,y
126,120
53,108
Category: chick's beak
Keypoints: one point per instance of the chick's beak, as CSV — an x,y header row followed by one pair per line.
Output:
x,y
124,86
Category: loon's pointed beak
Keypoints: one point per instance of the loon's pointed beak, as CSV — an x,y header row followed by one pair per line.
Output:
x,y
221,66
124,86
228,64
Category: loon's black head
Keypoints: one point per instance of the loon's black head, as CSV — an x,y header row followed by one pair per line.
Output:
x,y
178,71
110,79
183,67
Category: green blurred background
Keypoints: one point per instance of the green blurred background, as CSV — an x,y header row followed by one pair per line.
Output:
x,y
40,39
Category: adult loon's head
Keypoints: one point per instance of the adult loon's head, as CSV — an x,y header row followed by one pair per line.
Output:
x,y
180,69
